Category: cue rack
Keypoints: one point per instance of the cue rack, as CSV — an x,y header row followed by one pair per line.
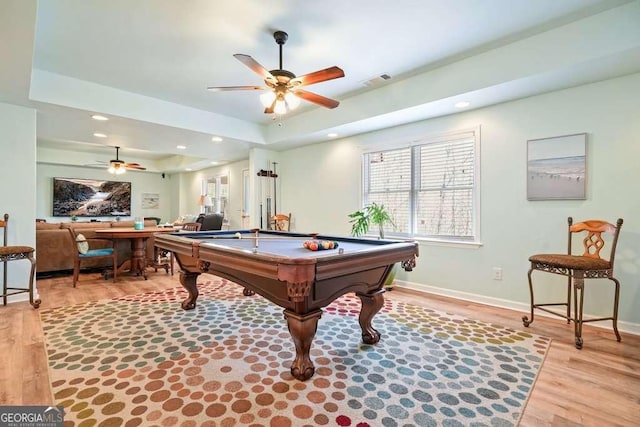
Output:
x,y
265,190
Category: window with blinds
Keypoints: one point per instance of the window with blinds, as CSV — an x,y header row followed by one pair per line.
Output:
x,y
430,188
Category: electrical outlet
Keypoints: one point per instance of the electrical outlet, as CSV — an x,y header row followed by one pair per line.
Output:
x,y
497,273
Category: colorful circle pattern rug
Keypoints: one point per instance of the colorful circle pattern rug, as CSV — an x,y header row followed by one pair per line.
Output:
x,y
143,361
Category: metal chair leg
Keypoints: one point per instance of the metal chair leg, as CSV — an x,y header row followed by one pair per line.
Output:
x,y
525,320
4,284
615,308
569,299
578,301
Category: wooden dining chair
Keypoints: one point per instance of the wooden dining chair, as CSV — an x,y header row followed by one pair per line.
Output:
x,y
191,226
154,218
15,253
577,268
92,248
280,222
165,258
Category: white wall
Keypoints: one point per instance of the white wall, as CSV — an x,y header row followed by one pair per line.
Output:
x,y
17,178
321,184
141,182
191,184
262,187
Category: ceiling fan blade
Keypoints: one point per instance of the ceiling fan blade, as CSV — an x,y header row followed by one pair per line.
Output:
x,y
135,166
255,66
271,108
226,88
318,76
316,99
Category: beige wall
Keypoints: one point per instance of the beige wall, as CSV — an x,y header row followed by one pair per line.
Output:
x,y
191,184
141,182
17,179
322,183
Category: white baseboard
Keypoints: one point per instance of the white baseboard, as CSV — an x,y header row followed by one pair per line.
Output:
x,y
627,327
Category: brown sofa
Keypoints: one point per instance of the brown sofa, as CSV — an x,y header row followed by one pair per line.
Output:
x,y
55,247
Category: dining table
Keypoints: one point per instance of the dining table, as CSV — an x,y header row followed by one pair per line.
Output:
x,y
137,264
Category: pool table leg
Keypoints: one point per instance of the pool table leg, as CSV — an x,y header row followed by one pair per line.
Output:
x,y
371,304
302,328
188,281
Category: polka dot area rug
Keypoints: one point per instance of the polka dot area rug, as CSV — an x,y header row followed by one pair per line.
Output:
x,y
142,361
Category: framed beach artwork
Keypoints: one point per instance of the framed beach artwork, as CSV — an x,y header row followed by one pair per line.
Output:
x,y
150,200
557,168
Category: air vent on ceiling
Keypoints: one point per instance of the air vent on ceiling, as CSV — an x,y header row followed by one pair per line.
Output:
x,y
377,80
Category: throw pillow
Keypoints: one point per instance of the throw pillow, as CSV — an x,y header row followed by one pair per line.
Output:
x,y
83,245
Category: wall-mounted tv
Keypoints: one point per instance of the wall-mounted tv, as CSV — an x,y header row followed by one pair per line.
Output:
x,y
91,197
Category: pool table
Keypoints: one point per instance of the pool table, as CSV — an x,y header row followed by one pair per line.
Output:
x,y
302,281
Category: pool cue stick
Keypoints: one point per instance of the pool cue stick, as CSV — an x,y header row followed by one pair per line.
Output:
x,y
260,181
275,190
250,237
269,212
268,196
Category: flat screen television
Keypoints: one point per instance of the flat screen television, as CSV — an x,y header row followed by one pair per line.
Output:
x,y
91,197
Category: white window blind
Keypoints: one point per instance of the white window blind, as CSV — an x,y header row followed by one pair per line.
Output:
x,y
430,189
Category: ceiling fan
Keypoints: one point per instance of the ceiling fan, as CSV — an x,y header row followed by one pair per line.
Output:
x,y
284,87
117,166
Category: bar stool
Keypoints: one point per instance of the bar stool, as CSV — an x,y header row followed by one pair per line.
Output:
x,y
578,268
14,253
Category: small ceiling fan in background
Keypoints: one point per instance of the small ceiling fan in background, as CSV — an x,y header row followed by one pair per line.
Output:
x,y
284,87
117,166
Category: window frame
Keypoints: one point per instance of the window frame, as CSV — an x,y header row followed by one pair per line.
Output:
x,y
412,144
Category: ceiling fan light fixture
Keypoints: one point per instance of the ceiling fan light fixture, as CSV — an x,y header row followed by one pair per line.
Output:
x,y
292,100
116,167
267,99
280,107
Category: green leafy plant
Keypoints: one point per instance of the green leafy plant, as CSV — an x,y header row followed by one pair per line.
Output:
x,y
373,214
361,220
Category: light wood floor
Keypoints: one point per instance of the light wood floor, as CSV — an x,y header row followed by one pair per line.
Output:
x,y
596,386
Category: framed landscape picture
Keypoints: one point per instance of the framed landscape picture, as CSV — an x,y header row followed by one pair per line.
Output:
x,y
91,197
557,168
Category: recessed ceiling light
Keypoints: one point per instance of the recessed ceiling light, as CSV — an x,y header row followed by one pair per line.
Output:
x,y
214,163
99,117
332,135
99,135
188,169
181,147
461,104
216,139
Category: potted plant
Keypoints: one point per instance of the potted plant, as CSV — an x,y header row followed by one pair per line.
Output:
x,y
362,220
